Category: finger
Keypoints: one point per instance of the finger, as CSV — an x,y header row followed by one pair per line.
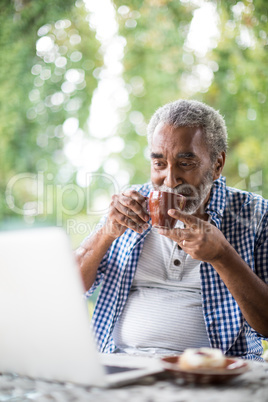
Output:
x,y
136,196
129,223
189,220
131,208
117,218
127,218
187,244
140,205
178,235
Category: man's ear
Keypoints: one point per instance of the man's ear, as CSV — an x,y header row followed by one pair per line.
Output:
x,y
218,166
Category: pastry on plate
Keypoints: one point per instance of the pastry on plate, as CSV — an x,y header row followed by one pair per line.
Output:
x,y
202,358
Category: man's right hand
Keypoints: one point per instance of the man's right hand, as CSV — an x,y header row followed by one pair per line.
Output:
x,y
127,210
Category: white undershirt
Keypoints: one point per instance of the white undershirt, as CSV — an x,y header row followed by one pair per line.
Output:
x,y
163,312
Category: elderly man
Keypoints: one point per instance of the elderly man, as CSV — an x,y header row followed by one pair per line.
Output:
x,y
203,283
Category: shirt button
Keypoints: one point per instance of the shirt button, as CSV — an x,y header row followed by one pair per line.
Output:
x,y
177,262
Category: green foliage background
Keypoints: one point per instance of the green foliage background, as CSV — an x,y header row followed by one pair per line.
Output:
x,y
156,53
31,136
157,67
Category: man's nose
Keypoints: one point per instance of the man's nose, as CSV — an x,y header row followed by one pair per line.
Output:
x,y
172,179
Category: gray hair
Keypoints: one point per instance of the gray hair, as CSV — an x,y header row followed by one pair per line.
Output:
x,y
191,113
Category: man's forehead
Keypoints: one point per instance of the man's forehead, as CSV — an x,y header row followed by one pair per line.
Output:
x,y
187,134
167,126
181,142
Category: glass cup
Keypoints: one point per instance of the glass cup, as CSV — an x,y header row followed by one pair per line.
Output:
x,y
159,204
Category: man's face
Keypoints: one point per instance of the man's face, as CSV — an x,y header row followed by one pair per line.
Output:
x,y
180,162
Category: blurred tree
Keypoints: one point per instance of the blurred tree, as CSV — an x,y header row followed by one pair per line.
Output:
x,y
155,31
239,89
51,62
48,54
160,67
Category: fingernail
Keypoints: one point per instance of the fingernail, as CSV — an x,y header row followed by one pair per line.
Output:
x,y
145,226
172,211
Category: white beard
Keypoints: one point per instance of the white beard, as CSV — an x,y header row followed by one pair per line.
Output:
x,y
195,197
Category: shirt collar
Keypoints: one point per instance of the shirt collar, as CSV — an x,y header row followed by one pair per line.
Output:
x,y
217,201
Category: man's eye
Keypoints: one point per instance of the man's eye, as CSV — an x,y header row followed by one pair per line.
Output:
x,y
158,164
187,164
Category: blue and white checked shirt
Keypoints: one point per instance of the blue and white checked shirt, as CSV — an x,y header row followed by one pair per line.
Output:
x,y
242,218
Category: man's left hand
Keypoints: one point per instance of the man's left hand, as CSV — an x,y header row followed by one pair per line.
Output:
x,y
200,239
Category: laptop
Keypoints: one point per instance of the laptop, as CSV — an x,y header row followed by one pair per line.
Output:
x,y
45,328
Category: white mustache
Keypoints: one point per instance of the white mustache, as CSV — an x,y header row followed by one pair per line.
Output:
x,y
184,189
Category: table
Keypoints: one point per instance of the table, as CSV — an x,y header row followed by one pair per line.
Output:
x,y
250,386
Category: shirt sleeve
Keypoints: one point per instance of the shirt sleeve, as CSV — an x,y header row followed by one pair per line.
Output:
x,y
103,263
261,250
142,189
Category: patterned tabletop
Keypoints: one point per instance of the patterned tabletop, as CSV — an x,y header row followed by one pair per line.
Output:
x,y
250,386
